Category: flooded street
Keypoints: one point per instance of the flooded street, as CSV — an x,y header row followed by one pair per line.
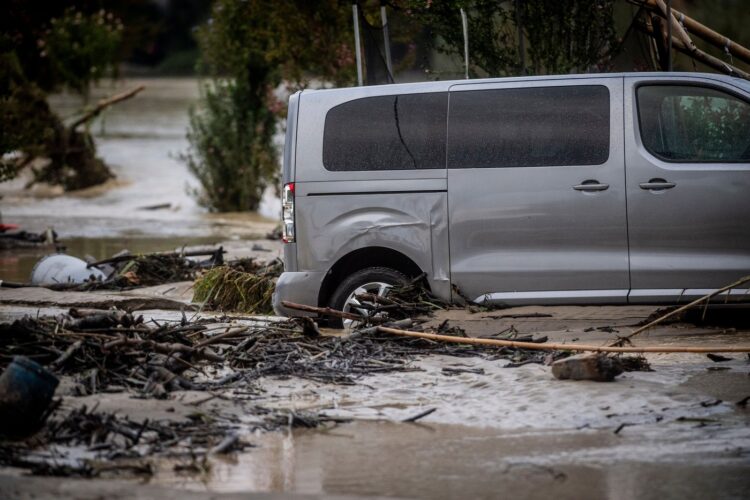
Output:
x,y
442,461
141,140
437,426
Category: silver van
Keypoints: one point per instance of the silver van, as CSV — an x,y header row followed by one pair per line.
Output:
x,y
610,188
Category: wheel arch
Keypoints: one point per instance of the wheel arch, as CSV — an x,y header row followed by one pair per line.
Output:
x,y
363,258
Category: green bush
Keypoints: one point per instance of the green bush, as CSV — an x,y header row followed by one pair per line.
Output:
x,y
231,149
249,48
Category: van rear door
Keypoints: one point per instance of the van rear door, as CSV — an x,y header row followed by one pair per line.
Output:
x,y
536,191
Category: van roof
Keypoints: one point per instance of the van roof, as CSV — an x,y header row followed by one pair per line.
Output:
x,y
442,85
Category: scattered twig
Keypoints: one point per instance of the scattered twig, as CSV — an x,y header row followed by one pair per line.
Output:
x,y
419,415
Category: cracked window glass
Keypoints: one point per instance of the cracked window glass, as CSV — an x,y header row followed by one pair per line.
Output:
x,y
529,127
395,132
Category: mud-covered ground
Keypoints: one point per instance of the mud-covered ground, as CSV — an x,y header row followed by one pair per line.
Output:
x,y
677,431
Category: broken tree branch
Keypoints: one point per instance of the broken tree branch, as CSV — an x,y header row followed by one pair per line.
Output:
x,y
560,347
104,104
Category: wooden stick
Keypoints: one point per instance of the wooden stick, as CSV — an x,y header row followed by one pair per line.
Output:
x,y
737,283
104,104
327,311
559,347
231,332
165,348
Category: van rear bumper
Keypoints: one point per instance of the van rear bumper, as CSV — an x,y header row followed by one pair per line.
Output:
x,y
301,287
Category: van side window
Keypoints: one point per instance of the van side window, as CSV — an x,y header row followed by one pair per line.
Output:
x,y
529,127
694,124
395,132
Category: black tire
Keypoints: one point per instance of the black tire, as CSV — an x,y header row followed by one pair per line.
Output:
x,y
356,280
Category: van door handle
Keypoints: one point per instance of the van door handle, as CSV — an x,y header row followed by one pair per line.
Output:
x,y
591,185
657,185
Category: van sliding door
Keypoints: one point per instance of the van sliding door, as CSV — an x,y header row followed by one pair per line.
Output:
x,y
536,191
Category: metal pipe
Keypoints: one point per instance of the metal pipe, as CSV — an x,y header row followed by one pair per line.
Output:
x,y
465,24
386,41
357,48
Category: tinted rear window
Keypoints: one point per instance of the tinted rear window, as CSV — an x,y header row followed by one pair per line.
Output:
x,y
529,127
397,132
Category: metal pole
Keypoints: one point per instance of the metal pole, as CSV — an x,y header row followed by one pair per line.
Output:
x,y
465,23
357,48
521,45
669,35
386,41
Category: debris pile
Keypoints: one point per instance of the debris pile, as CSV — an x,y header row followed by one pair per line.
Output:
x,y
127,271
110,445
116,351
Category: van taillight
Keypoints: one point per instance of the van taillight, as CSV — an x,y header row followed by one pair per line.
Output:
x,y
287,213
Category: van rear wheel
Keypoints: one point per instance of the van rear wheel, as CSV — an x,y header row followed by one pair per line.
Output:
x,y
374,280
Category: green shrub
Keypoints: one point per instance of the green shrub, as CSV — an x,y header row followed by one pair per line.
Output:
x,y
231,149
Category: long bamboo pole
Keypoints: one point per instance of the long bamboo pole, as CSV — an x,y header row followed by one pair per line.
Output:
x,y
702,31
561,347
705,58
710,60
711,36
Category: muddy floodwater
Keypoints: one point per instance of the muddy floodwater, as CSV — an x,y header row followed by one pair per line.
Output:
x,y
444,461
148,206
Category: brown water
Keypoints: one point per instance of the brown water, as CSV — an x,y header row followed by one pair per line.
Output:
x,y
141,140
442,461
